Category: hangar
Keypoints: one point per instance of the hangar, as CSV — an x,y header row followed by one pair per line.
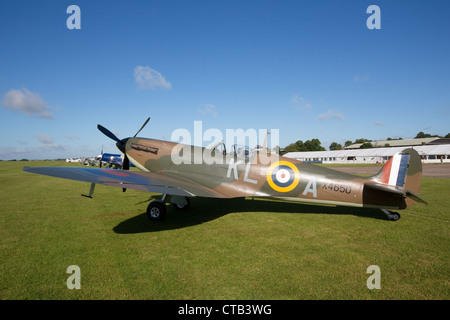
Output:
x,y
439,153
403,143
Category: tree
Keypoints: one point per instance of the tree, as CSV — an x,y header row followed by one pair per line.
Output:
x,y
313,145
290,148
447,136
348,143
308,145
295,147
425,135
300,145
421,135
366,145
335,146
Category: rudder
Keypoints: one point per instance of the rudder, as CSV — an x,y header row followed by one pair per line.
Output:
x,y
395,170
404,171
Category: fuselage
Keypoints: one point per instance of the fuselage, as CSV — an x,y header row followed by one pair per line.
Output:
x,y
256,175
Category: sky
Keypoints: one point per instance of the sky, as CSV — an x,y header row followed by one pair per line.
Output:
x,y
310,69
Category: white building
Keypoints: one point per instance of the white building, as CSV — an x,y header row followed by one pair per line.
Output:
x,y
429,153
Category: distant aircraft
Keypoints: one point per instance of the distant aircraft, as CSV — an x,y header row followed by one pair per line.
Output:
x,y
112,160
95,161
86,161
73,160
247,173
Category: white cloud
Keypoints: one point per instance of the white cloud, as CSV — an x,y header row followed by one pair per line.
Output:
x,y
300,103
208,109
330,114
147,78
46,139
27,102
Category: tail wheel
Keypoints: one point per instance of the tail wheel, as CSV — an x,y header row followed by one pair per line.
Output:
x,y
392,216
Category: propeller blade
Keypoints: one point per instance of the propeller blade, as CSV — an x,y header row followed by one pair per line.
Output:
x,y
107,133
126,163
125,166
101,158
142,126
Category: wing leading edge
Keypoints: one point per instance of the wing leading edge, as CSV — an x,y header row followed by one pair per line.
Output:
x,y
144,181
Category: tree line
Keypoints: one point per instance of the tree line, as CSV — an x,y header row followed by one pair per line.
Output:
x,y
315,144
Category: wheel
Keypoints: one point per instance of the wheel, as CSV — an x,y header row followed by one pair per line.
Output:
x,y
182,207
156,211
394,216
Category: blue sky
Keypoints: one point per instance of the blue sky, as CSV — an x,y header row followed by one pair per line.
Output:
x,y
311,69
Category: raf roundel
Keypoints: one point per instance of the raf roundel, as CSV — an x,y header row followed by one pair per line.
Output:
x,y
283,176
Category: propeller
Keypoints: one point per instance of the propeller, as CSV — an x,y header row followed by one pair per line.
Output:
x,y
121,143
145,123
126,163
101,157
107,133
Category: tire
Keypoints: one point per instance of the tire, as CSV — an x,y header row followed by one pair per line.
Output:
x,y
156,211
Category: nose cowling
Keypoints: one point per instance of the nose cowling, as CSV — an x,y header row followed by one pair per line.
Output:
x,y
121,144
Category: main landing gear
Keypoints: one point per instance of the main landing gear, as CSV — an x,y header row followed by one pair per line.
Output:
x,y
157,209
393,216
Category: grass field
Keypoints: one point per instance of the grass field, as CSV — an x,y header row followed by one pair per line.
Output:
x,y
219,249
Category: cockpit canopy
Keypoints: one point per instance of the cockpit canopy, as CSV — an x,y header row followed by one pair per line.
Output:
x,y
242,151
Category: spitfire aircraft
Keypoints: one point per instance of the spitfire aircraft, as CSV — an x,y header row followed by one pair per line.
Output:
x,y
254,174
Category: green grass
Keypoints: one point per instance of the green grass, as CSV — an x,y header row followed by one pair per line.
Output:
x,y
219,249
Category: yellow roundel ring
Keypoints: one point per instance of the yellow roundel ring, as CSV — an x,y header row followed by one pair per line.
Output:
x,y
283,176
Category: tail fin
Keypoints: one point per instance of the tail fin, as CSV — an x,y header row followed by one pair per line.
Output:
x,y
394,171
402,174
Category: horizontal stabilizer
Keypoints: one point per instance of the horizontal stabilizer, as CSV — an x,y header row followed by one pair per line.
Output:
x,y
386,188
395,190
415,197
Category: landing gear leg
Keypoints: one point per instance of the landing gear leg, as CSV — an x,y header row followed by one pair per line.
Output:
x,y
393,216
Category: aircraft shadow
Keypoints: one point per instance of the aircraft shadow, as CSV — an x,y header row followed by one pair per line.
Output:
x,y
207,209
